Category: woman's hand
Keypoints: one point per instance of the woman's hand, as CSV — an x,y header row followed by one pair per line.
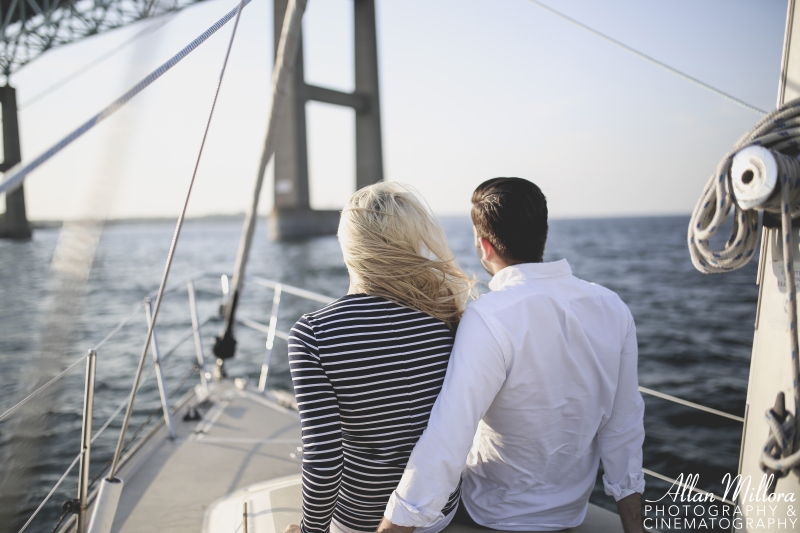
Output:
x,y
292,528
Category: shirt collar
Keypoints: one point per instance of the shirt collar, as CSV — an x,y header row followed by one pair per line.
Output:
x,y
529,271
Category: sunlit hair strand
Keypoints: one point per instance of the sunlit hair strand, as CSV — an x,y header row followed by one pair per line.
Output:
x,y
394,247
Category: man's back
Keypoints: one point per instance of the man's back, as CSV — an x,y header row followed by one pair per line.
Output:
x,y
535,456
545,367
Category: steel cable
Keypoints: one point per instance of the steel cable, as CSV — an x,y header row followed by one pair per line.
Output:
x,y
174,244
108,421
61,374
17,177
153,414
652,60
52,491
52,380
158,24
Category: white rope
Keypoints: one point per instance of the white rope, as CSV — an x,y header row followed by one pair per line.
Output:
x,y
687,403
777,131
118,327
777,455
18,177
765,177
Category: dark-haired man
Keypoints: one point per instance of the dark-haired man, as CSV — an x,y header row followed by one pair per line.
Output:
x,y
541,386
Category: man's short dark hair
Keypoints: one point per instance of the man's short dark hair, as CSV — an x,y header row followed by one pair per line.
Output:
x,y
511,213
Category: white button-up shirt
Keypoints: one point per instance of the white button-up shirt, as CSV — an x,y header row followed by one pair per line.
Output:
x,y
545,369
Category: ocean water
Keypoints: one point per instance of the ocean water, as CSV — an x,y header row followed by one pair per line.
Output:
x,y
695,334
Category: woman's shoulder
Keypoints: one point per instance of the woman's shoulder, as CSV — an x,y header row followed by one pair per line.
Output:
x,y
349,303
355,306
367,312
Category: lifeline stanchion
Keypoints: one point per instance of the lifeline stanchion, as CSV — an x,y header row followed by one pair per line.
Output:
x,y
273,327
86,439
198,342
162,386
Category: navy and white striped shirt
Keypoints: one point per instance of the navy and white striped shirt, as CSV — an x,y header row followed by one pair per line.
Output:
x,y
366,373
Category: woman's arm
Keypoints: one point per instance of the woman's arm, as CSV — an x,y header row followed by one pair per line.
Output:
x,y
322,430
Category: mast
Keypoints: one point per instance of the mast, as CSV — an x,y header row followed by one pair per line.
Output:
x,y
282,74
770,366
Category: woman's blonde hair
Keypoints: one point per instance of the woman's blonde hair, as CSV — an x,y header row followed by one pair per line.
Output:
x,y
394,247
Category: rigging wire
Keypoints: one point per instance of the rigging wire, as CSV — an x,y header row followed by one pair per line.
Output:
x,y
108,423
173,245
652,60
52,380
158,24
52,491
17,178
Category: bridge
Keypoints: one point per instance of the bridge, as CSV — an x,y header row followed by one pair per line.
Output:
x,y
29,28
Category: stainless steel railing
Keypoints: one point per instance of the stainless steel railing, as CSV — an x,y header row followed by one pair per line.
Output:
x,y
194,331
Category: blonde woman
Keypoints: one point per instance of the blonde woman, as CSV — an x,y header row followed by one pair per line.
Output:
x,y
367,368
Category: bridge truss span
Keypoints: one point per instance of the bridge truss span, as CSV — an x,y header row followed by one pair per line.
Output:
x,y
28,28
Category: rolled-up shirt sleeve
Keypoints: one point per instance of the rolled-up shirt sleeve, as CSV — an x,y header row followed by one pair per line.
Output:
x,y
475,373
622,435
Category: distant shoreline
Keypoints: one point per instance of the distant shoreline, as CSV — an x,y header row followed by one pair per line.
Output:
x,y
239,217
54,224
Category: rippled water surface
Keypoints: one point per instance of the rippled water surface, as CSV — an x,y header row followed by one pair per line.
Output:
x,y
695,334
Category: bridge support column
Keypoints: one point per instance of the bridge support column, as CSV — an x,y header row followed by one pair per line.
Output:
x,y
369,155
292,216
14,222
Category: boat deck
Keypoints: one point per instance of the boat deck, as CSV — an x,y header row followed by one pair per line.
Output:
x,y
245,443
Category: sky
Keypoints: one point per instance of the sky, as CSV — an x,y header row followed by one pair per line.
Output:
x,y
470,89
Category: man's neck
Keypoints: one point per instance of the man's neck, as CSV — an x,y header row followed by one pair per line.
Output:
x,y
499,264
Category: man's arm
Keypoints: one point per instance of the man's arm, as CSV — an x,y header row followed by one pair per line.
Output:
x,y
621,438
386,526
475,373
630,512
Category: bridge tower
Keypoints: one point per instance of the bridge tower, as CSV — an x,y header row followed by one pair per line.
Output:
x,y
30,28
14,222
292,216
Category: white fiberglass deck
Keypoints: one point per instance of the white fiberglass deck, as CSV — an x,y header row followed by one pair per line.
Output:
x,y
244,450
243,439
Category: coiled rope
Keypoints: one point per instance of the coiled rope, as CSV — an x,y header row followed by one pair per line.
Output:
x,y
779,132
777,457
760,174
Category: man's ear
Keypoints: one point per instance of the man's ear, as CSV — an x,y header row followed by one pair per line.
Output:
x,y
487,250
